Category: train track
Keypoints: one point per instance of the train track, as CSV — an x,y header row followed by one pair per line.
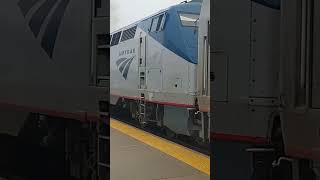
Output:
x,y
179,139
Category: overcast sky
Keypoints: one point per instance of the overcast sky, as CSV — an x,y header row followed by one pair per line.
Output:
x,y
125,12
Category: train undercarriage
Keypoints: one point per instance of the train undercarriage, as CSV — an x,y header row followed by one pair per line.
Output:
x,y
173,121
260,159
47,147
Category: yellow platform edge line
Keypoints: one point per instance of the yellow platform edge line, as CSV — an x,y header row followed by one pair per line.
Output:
x,y
196,160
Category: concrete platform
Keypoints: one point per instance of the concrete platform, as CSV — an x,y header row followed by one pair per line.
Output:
x,y
134,160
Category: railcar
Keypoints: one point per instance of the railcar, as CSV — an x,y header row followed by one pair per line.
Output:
x,y
54,90
264,92
153,69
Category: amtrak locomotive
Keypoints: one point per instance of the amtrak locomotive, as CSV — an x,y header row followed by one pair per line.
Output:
x,y
153,70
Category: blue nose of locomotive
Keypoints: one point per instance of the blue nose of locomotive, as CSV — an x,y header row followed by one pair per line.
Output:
x,y
181,31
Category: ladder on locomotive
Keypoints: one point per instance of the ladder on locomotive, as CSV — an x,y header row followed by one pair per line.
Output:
x,y
142,109
142,81
103,144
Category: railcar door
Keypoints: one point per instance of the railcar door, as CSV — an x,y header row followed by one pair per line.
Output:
x,y
142,63
300,78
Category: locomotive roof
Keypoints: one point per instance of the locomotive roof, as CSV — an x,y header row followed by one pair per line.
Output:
x,y
155,14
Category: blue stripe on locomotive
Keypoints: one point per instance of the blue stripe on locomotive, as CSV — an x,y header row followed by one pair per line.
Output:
x,y
181,40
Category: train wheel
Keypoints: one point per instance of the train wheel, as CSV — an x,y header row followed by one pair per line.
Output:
x,y
134,113
142,123
196,138
170,133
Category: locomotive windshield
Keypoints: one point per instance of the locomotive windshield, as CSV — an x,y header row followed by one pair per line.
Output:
x,y
188,19
157,23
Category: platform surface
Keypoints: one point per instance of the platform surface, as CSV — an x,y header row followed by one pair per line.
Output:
x,y
132,159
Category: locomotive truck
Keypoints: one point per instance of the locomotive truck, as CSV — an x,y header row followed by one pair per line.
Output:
x,y
54,94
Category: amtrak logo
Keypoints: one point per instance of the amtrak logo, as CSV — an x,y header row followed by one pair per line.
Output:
x,y
124,65
50,10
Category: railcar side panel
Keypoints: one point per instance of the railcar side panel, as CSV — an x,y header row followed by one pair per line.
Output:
x,y
46,58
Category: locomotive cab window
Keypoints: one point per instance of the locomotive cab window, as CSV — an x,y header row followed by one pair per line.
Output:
x,y
189,20
157,23
154,24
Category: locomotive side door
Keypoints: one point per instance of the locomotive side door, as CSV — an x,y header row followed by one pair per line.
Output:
x,y
300,78
142,63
